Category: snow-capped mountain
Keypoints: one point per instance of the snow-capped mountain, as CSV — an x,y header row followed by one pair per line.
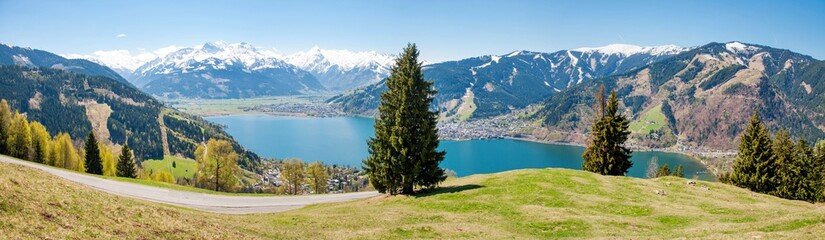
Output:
x,y
498,83
223,70
123,61
27,57
712,90
341,70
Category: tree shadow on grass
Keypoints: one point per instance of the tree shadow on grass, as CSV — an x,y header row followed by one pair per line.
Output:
x,y
447,189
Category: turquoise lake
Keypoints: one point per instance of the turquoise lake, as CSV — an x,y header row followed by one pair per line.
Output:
x,y
343,141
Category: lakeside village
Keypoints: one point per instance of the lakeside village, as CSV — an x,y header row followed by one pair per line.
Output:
x,y
342,179
351,179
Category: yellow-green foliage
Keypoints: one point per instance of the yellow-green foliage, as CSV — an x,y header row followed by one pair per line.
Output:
x,y
217,165
163,176
318,177
107,160
19,139
64,154
41,142
184,168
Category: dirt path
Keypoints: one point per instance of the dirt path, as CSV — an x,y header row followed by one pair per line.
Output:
x,y
201,201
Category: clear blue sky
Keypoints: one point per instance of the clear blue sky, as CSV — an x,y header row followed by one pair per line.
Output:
x,y
443,29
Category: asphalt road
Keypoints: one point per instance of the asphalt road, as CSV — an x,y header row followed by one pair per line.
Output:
x,y
201,201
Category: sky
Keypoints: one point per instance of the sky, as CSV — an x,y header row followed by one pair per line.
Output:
x,y
443,30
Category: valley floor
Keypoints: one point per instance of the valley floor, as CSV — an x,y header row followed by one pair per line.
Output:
x,y
524,204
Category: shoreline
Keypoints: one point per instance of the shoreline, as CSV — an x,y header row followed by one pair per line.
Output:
x,y
695,156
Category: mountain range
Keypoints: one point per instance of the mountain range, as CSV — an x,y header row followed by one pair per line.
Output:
x,y
79,96
685,86
240,70
702,97
492,85
27,57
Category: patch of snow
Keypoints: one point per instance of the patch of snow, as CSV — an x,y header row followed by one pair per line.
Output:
x,y
322,60
738,47
495,58
573,60
22,60
627,50
546,84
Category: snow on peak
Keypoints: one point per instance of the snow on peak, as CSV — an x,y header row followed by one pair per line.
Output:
x,y
627,50
124,59
321,59
738,47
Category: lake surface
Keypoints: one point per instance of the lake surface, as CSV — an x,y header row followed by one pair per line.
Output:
x,y
343,141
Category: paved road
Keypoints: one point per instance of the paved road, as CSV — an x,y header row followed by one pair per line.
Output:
x,y
201,201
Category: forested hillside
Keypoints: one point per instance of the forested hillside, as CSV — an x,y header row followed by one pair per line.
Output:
x,y
76,104
702,97
493,85
27,57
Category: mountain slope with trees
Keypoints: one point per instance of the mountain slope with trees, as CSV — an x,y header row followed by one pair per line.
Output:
x,y
700,98
76,104
27,57
497,84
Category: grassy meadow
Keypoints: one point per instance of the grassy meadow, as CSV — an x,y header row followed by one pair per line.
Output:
x,y
525,204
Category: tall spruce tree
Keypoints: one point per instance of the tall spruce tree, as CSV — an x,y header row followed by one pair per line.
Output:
x,y
606,153
403,152
755,168
809,172
819,161
126,166
93,163
787,170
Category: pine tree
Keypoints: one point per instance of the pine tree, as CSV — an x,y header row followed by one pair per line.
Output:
x,y
664,171
809,173
93,163
788,171
403,152
5,124
679,172
754,167
126,166
606,153
819,161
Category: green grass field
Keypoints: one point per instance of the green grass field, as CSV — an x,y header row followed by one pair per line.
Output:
x,y
653,119
524,204
184,168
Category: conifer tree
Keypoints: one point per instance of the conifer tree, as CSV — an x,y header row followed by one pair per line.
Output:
x,y
809,172
5,124
606,153
403,152
93,163
787,170
819,161
679,172
664,171
754,167
126,166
